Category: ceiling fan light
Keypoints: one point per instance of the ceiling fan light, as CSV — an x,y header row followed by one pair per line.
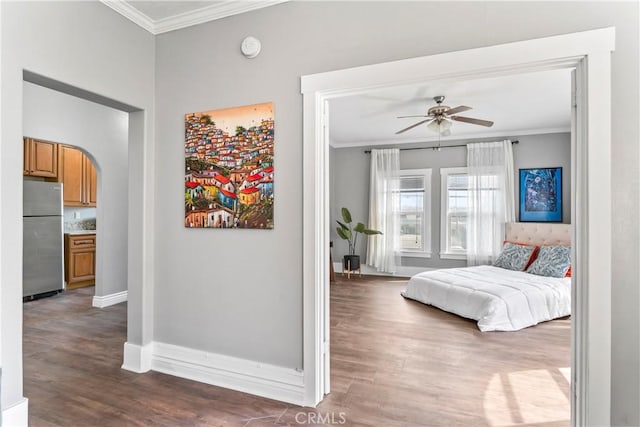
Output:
x,y
434,126
441,126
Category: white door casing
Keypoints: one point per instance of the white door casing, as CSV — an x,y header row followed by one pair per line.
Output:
x,y
589,54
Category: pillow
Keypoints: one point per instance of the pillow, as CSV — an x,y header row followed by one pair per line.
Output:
x,y
568,272
533,255
552,261
514,257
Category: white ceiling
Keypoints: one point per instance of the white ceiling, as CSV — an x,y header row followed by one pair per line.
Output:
x,y
518,105
162,16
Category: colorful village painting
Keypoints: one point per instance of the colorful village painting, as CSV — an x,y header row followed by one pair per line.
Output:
x,y
228,180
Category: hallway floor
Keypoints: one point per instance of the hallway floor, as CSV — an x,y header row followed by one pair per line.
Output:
x,y
395,362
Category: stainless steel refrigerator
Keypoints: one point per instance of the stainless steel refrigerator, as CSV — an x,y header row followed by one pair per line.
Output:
x,y
42,265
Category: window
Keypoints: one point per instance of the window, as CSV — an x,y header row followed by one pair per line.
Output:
x,y
455,208
415,213
453,236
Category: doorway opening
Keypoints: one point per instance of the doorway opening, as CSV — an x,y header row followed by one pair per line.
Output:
x,y
98,142
591,242
383,343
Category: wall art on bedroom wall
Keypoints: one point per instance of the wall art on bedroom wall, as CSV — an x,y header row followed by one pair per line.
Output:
x,y
541,195
228,180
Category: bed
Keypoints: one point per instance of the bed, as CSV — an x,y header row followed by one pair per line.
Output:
x,y
497,298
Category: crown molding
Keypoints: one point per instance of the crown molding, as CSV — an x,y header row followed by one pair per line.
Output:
x,y
429,139
131,13
187,19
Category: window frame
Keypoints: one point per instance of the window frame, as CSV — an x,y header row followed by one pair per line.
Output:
x,y
426,174
445,251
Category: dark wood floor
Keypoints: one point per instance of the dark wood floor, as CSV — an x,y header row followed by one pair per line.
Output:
x,y
395,362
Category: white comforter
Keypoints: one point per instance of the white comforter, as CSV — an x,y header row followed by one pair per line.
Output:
x,y
499,299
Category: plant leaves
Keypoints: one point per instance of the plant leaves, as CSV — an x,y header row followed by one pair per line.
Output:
x,y
345,234
342,225
359,228
371,232
346,215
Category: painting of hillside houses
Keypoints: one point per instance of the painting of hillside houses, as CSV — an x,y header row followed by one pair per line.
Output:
x,y
228,177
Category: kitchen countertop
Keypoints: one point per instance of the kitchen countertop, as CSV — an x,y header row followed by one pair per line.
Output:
x,y
79,232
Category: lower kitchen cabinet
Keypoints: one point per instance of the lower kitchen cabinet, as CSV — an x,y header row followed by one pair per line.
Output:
x,y
79,260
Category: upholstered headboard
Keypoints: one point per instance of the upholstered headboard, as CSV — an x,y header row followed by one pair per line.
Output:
x,y
539,233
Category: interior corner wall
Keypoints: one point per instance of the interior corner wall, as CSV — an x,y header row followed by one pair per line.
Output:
x,y
102,132
85,45
248,284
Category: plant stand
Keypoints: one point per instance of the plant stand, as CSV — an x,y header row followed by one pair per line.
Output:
x,y
346,267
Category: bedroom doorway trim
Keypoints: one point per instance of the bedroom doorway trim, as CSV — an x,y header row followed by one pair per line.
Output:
x,y
589,54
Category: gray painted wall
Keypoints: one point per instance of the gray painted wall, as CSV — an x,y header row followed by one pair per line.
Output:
x,y
540,151
102,133
256,312
89,46
350,182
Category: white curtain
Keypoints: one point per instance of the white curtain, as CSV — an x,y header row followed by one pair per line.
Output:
x,y
491,199
383,209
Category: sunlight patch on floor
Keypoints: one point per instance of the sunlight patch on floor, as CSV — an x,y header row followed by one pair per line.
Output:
x,y
566,373
528,397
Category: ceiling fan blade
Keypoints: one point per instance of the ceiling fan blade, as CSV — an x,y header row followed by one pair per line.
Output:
x,y
406,117
486,123
456,110
412,126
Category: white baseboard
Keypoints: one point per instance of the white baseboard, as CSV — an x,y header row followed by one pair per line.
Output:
x,y
16,415
261,379
402,271
137,358
111,299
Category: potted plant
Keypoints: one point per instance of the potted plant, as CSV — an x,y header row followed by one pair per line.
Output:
x,y
350,233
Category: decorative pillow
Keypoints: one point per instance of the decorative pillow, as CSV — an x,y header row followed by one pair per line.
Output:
x,y
552,261
533,255
514,257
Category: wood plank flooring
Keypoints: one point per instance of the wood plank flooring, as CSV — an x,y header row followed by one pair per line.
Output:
x,y
395,362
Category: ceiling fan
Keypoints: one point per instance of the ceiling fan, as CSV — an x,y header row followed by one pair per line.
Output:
x,y
441,116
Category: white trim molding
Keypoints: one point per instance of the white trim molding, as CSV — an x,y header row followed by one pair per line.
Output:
x,y
16,415
338,143
111,299
137,358
403,271
132,14
261,379
589,54
219,10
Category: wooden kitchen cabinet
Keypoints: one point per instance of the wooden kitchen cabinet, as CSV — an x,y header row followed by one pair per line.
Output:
x,y
92,182
79,177
79,260
40,158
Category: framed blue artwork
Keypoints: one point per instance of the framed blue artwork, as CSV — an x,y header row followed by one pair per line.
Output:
x,y
541,195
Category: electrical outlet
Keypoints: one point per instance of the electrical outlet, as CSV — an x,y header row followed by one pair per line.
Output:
x,y
76,215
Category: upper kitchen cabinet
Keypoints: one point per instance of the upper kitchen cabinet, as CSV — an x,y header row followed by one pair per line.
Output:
x,y
92,180
40,158
78,176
